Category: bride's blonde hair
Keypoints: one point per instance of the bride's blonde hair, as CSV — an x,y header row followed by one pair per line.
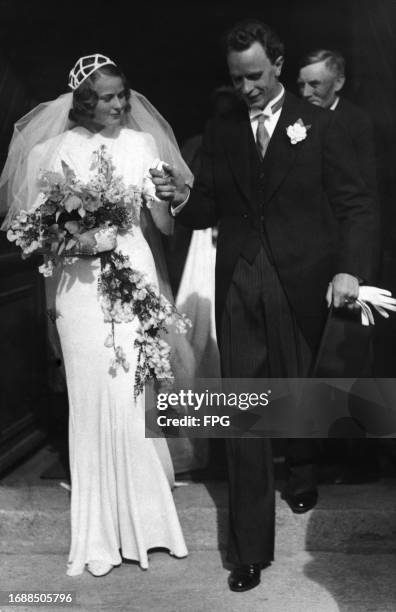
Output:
x,y
85,97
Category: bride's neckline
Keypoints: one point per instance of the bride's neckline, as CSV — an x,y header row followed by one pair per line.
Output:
x,y
106,132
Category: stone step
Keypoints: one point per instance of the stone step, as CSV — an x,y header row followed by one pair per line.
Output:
x,y
349,519
303,582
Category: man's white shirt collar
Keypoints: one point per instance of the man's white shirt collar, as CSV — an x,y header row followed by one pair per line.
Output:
x,y
335,104
271,117
255,113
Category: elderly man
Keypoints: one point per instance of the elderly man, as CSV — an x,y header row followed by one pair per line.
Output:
x,y
320,80
295,222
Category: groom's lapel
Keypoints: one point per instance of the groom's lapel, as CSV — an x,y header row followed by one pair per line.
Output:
x,y
238,142
281,154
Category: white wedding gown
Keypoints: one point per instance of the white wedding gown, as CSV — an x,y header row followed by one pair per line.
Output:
x,y
121,497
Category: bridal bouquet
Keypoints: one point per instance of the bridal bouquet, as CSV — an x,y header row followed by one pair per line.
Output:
x,y
76,218
73,219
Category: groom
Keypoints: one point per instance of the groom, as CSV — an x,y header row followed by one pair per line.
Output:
x,y
296,224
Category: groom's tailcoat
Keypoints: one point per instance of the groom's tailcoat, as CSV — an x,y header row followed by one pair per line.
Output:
x,y
305,203
287,224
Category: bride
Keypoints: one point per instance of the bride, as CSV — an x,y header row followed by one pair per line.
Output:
x,y
121,501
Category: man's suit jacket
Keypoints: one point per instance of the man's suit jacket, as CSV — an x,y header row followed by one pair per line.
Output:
x,y
345,345
357,124
305,202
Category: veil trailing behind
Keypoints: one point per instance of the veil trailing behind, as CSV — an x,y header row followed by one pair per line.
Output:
x,y
41,126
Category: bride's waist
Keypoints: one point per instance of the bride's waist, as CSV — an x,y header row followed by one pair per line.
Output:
x,y
131,238
130,243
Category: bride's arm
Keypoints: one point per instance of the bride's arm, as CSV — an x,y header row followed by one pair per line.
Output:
x,y
158,208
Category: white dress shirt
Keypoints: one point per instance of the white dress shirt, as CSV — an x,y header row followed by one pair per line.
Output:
x,y
272,118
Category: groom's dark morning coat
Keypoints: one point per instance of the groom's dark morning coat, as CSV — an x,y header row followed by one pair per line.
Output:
x,y
306,203
305,210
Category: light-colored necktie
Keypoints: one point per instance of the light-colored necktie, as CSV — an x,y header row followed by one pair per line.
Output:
x,y
262,135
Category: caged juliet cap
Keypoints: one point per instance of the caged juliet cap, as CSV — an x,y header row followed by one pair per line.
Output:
x,y
85,66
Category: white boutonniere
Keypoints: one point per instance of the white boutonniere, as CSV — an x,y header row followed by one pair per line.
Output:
x,y
297,132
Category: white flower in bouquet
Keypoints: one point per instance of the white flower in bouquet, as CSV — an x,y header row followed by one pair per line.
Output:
x,y
106,238
120,360
141,294
47,268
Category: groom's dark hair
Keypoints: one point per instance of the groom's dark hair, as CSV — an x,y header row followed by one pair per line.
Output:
x,y
243,34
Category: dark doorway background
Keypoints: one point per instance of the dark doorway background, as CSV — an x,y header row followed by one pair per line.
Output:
x,y
170,52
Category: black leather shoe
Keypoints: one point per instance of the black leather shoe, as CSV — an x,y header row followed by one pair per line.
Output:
x,y
244,577
301,502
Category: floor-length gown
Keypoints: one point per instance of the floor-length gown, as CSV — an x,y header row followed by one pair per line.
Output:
x,y
121,497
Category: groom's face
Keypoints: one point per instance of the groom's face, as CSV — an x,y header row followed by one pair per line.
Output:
x,y
254,76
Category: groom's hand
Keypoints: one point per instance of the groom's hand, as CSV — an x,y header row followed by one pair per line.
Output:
x,y
343,291
169,185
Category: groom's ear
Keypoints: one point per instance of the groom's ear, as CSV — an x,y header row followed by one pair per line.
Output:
x,y
278,63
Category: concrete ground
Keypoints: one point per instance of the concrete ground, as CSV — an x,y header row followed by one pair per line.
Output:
x,y
304,582
341,556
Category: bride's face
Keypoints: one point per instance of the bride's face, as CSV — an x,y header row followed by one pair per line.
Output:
x,y
111,101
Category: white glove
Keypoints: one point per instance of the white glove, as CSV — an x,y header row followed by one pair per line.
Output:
x,y
380,299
